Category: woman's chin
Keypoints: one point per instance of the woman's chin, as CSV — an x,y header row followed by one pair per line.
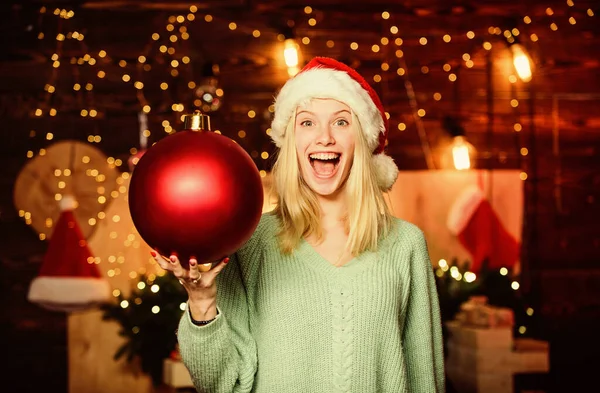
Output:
x,y
325,186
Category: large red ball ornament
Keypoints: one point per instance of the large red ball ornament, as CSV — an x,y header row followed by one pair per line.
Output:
x,y
196,194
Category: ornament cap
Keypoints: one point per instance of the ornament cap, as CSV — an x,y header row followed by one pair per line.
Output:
x,y
197,121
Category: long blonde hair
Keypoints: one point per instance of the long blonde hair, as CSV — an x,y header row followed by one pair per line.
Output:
x,y
368,217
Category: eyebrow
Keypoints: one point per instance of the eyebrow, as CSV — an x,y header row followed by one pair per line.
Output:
x,y
312,113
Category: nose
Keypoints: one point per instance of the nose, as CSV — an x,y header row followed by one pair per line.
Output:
x,y
325,137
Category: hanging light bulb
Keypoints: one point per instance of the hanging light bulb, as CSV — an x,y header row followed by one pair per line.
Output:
x,y
522,62
291,55
459,154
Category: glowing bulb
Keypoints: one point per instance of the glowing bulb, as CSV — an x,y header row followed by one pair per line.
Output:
x,y
521,62
290,53
461,153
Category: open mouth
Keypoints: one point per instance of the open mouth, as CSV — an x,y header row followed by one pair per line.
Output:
x,y
324,164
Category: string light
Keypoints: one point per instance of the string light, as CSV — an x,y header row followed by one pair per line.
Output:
x,y
400,71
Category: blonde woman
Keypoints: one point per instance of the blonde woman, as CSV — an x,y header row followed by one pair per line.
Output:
x,y
331,294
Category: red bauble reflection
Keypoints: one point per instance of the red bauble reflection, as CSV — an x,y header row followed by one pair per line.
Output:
x,y
196,194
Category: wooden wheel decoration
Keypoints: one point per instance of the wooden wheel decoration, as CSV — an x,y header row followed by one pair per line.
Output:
x,y
67,168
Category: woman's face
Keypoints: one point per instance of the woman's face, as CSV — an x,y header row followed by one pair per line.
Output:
x,y
325,144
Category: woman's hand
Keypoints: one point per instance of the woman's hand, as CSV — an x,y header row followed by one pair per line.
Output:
x,y
198,281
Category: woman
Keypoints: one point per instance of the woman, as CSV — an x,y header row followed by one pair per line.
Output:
x,y
331,293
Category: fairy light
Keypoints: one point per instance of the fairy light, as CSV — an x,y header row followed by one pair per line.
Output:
x,y
469,277
443,264
375,48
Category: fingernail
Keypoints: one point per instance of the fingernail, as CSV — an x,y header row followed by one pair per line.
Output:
x,y
193,261
153,253
172,258
226,260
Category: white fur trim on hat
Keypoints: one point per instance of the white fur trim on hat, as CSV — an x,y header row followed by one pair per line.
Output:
x,y
387,171
463,208
68,293
322,83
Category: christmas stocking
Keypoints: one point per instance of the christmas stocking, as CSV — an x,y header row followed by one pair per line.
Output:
x,y
473,220
69,280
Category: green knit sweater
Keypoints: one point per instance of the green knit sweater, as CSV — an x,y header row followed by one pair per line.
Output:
x,y
296,323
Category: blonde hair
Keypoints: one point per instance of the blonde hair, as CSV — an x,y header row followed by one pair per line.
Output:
x,y
368,217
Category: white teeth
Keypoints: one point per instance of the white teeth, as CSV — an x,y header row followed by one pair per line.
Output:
x,y
324,156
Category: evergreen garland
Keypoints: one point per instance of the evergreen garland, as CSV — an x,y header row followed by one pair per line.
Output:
x,y
492,284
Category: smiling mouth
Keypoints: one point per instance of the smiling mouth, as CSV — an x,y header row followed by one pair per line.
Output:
x,y
324,164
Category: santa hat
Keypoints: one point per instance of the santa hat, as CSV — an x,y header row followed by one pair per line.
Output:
x,y
474,221
69,280
323,77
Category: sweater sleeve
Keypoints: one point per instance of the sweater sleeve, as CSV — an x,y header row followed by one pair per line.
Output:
x,y
221,356
422,335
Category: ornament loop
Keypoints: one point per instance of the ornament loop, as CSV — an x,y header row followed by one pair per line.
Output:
x,y
197,121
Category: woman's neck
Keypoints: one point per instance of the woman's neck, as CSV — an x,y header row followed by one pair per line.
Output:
x,y
333,210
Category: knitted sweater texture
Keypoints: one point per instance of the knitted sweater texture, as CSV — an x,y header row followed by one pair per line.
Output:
x,y
296,323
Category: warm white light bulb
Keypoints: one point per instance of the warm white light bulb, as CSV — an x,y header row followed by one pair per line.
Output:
x,y
290,53
521,62
460,154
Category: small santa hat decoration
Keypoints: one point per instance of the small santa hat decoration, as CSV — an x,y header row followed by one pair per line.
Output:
x,y
324,78
69,280
473,220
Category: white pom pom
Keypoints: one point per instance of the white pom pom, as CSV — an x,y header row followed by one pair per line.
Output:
x,y
387,171
67,202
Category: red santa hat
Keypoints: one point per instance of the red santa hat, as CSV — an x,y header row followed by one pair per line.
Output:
x,y
323,77
69,280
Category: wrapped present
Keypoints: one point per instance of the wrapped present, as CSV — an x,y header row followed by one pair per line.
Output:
x,y
476,312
